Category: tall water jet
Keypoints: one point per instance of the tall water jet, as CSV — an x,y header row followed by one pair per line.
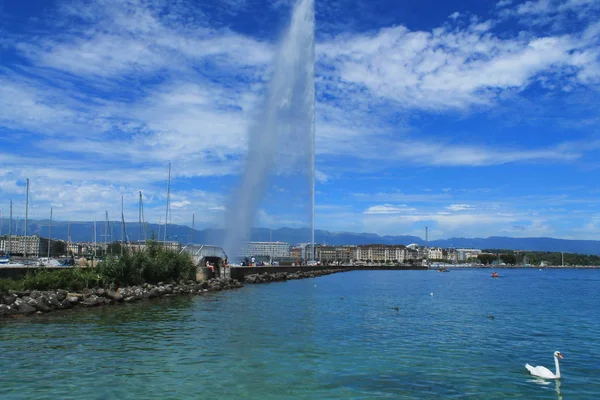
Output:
x,y
282,139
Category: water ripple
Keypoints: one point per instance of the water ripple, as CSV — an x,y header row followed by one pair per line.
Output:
x,y
295,340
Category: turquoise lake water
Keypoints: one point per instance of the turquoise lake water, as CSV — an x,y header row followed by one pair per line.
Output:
x,y
301,340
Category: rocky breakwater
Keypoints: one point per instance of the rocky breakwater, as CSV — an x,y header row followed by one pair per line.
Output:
x,y
284,276
28,302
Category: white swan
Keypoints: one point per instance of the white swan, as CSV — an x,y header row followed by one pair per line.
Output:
x,y
544,372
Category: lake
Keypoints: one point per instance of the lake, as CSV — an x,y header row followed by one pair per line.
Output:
x,y
334,337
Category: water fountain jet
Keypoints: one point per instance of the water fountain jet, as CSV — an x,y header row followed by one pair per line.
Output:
x,y
282,138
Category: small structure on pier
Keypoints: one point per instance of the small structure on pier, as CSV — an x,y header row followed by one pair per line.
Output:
x,y
201,253
204,255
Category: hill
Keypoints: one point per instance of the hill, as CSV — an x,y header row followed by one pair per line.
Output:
x,y
83,231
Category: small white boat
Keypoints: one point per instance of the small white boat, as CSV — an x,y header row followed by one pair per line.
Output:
x,y
48,262
5,262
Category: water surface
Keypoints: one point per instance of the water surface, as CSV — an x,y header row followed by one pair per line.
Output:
x,y
334,337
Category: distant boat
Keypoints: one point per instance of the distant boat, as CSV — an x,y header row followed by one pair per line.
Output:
x,y
443,269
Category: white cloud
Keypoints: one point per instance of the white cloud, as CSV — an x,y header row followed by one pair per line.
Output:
x,y
106,104
552,15
535,7
445,224
459,207
321,176
179,204
389,209
399,196
451,68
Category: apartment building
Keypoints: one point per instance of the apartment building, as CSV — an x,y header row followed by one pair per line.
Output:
x,y
381,253
435,253
33,246
268,249
140,245
327,254
466,254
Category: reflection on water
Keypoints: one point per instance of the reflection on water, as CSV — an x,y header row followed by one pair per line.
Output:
x,y
549,383
298,340
557,387
540,381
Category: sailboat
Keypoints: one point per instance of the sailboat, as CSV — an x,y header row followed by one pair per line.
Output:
x,y
5,262
47,261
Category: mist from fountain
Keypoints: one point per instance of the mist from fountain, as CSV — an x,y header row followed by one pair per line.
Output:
x,y
281,141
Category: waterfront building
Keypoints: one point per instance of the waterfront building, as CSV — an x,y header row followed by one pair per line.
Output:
x,y
381,253
171,245
411,254
435,253
140,245
451,255
75,249
268,249
33,246
466,254
297,252
329,254
415,251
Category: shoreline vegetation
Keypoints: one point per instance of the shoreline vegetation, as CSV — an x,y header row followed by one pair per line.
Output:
x,y
155,272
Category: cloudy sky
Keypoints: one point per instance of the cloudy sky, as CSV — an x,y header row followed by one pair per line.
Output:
x,y
473,117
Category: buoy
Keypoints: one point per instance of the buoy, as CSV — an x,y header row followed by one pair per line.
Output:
x,y
431,293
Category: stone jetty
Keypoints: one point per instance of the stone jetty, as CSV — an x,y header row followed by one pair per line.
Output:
x,y
284,276
30,302
27,302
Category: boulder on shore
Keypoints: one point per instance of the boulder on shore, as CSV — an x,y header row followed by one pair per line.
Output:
x,y
30,302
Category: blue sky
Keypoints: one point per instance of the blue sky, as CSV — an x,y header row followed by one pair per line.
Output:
x,y
475,118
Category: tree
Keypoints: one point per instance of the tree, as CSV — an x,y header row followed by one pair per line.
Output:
x,y
508,258
486,258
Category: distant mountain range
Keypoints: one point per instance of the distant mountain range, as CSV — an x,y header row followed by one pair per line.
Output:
x,y
83,231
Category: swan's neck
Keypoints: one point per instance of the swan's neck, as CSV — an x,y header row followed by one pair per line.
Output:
x,y
557,366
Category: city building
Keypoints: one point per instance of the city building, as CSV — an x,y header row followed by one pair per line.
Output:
x,y
466,254
75,249
140,245
381,253
269,249
33,246
435,253
330,254
297,252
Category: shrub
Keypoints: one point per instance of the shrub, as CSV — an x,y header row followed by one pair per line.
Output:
x,y
44,279
154,264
